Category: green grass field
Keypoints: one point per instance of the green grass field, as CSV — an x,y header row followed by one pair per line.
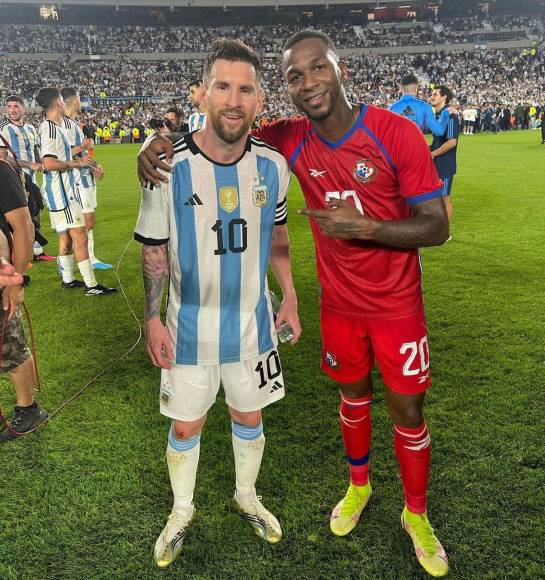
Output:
x,y
86,496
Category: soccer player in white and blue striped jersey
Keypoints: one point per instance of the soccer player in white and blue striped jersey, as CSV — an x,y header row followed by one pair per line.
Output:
x,y
88,176
62,196
214,228
21,139
196,96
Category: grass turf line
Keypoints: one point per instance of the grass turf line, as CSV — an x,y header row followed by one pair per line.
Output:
x,y
87,496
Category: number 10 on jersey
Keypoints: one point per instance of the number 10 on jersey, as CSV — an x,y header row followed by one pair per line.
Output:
x,y
236,233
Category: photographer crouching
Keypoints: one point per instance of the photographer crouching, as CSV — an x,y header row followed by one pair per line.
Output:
x,y
16,246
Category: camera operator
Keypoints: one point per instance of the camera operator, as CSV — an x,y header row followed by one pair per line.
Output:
x,y
176,118
16,241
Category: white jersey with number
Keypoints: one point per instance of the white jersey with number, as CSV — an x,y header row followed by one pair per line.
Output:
x,y
196,121
75,138
23,140
58,187
218,221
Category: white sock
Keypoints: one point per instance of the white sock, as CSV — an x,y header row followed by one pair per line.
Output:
x,y
183,460
91,245
86,269
66,267
248,447
38,249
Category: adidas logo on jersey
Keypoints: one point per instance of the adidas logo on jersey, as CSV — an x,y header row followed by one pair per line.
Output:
x,y
408,112
276,387
194,200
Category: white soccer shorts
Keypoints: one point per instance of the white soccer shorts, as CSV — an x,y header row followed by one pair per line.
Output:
x,y
70,217
88,196
188,391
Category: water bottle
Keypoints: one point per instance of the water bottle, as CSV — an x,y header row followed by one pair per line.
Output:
x,y
284,331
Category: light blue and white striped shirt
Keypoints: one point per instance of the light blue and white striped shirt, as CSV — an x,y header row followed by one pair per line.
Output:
x,y
58,187
23,140
196,121
75,138
218,221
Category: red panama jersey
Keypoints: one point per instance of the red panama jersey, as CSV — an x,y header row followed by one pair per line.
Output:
x,y
383,166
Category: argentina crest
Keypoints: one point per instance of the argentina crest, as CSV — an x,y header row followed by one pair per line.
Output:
x,y
228,198
259,192
365,170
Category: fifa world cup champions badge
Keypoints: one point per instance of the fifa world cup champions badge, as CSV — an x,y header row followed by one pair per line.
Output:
x,y
259,191
228,198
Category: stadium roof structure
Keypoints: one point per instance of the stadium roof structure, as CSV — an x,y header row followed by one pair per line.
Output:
x,y
218,3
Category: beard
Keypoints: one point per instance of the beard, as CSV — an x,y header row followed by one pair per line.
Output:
x,y
229,135
318,115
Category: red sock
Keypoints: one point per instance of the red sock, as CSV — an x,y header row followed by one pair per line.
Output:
x,y
355,421
413,450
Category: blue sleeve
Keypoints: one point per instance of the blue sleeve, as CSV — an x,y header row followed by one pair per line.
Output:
x,y
395,107
453,127
436,126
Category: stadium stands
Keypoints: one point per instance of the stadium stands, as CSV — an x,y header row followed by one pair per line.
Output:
x,y
107,40
146,75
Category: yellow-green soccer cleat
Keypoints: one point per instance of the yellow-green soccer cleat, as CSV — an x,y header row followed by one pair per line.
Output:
x,y
169,543
265,525
428,548
347,512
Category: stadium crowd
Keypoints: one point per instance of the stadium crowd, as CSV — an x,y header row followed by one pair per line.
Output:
x,y
478,77
127,92
108,40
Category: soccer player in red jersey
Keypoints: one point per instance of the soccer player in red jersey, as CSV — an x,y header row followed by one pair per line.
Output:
x,y
374,197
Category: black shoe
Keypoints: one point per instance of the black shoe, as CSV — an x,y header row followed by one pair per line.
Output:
x,y
24,419
99,290
73,284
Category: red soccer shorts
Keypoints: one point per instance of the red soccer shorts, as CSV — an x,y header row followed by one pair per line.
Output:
x,y
351,344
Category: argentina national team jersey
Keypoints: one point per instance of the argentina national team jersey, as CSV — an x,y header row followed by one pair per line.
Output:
x,y
58,187
196,121
23,140
218,221
75,138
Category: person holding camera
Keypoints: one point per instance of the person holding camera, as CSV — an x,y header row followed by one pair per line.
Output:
x,y
175,120
16,242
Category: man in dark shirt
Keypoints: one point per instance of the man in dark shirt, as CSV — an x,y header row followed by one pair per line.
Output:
x,y
16,242
176,118
443,147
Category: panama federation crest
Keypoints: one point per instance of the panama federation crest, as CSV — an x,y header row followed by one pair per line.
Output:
x,y
365,171
259,191
228,198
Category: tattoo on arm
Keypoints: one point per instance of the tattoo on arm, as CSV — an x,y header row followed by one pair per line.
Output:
x,y
155,271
